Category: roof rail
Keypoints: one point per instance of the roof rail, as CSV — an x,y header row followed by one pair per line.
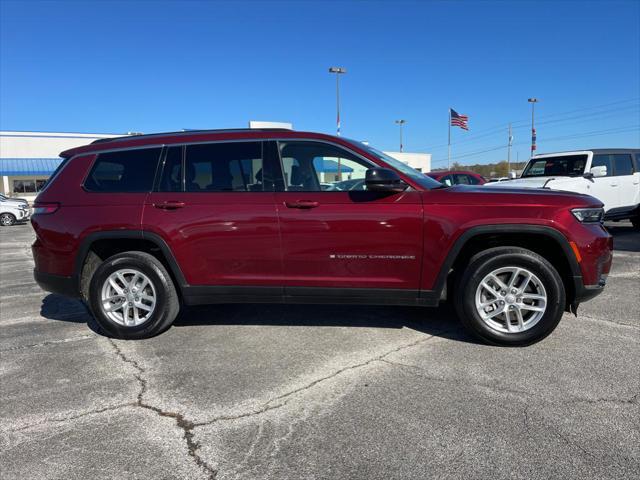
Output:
x,y
189,132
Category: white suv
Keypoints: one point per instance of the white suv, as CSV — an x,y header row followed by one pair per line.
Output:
x,y
12,211
610,175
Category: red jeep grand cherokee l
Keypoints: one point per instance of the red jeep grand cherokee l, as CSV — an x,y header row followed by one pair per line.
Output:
x,y
137,226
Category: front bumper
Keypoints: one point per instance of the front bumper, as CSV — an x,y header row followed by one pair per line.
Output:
x,y
59,284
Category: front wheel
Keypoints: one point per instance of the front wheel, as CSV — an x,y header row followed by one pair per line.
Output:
x,y
510,296
7,219
132,296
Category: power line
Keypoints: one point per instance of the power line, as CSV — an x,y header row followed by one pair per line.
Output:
x,y
593,133
502,127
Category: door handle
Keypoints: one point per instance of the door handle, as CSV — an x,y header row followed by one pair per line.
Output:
x,y
304,204
169,205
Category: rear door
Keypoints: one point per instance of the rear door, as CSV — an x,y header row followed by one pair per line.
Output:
x,y
606,189
214,206
344,240
628,180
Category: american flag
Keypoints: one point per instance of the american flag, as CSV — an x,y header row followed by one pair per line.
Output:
x,y
458,120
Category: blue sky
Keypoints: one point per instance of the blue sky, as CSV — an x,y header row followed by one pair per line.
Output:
x,y
156,66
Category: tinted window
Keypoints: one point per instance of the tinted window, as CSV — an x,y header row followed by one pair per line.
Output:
x,y
447,180
623,164
314,167
225,167
473,180
126,171
462,179
171,180
603,161
564,165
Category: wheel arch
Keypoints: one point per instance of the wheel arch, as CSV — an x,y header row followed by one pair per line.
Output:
x,y
547,241
98,246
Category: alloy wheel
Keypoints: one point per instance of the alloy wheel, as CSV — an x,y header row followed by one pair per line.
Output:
x,y
128,297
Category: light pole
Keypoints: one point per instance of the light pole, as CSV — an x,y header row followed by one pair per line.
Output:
x,y
401,123
533,102
338,71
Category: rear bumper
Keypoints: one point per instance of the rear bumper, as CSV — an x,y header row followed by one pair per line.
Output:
x,y
57,284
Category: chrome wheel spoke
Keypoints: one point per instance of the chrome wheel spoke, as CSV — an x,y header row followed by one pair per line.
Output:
x,y
128,297
511,309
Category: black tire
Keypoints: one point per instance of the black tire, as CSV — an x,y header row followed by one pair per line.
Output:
x,y
7,219
486,262
167,302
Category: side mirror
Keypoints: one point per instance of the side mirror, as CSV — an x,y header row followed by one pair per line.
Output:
x,y
384,180
600,171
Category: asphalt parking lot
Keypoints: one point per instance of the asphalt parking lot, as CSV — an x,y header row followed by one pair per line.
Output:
x,y
289,392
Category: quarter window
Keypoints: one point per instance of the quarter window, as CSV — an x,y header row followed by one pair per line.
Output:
x,y
225,167
125,171
315,167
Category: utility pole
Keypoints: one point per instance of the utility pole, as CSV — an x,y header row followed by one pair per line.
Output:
x,y
509,151
338,71
533,102
401,123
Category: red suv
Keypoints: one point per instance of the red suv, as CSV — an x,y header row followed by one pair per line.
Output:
x,y
138,226
458,177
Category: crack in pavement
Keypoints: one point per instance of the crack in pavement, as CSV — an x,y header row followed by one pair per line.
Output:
x,y
184,424
285,397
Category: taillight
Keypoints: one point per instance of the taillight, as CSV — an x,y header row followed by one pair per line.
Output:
x,y
45,208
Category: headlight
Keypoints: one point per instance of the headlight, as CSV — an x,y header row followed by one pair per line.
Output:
x,y
588,215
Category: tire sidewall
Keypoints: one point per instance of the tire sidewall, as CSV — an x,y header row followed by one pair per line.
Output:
x,y
541,268
11,217
155,322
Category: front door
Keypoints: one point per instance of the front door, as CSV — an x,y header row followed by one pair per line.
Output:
x,y
338,236
214,206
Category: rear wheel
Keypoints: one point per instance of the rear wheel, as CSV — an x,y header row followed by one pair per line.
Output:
x,y
132,296
510,296
7,219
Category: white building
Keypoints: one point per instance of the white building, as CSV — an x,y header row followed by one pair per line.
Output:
x,y
27,159
419,161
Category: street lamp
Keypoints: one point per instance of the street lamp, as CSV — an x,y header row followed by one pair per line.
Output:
x,y
401,123
533,102
338,71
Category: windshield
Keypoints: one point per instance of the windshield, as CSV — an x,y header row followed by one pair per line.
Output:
x,y
564,165
418,177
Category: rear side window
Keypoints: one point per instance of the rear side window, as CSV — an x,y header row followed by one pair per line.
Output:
x,y
623,164
126,171
225,167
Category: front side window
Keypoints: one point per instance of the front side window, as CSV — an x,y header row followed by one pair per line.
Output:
x,y
462,179
125,171
225,167
603,161
562,165
315,167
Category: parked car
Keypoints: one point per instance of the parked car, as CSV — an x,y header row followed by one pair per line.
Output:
x,y
498,179
12,212
610,175
457,178
138,226
4,198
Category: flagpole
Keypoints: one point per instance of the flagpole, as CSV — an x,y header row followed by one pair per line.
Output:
x,y
449,148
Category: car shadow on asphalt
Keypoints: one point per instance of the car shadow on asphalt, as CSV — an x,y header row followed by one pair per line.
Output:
x,y
441,321
625,237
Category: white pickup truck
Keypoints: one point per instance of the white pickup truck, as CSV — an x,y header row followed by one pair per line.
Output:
x,y
610,175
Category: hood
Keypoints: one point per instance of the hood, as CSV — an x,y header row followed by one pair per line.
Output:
x,y
14,201
533,182
510,194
